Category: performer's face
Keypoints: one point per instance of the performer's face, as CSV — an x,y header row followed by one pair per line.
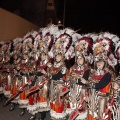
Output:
x,y
1,58
80,60
30,45
58,57
57,45
34,55
41,44
100,64
116,86
6,58
5,48
15,57
1,49
43,56
25,56
79,47
18,67
23,46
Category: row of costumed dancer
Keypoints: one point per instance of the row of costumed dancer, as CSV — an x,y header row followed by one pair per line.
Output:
x,y
71,76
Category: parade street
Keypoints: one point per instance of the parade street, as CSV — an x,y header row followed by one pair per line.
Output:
x,y
14,115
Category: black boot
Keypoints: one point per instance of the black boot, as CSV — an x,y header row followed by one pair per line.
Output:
x,y
1,96
42,116
22,112
32,117
67,117
12,107
4,98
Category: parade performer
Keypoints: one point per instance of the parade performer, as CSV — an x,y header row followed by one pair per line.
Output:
x,y
43,94
1,72
15,79
32,107
101,78
32,98
1,81
43,68
16,71
7,69
40,101
116,87
78,76
62,49
116,107
24,72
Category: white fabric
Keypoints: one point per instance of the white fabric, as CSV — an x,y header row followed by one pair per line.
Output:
x,y
57,115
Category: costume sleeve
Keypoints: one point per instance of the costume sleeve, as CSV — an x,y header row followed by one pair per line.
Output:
x,y
118,97
39,74
33,81
60,74
21,73
85,76
103,82
31,74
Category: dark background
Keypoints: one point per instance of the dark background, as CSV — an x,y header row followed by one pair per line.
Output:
x,y
89,15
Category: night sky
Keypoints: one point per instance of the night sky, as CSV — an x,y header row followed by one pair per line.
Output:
x,y
93,15
89,15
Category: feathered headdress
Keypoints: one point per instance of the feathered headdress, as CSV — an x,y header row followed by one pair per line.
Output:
x,y
64,44
27,42
6,47
48,35
102,50
17,44
83,47
117,51
37,39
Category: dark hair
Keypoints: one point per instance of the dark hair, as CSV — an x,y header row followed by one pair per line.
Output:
x,y
43,53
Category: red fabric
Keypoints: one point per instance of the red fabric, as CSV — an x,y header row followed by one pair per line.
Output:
x,y
80,71
42,67
31,100
68,105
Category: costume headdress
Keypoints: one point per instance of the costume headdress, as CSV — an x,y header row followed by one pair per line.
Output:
x,y
117,51
17,44
64,44
83,48
44,39
102,50
37,39
48,34
27,42
5,46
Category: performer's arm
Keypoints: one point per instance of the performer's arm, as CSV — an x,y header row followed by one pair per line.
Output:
x,y
33,81
21,73
103,82
85,76
39,74
59,75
